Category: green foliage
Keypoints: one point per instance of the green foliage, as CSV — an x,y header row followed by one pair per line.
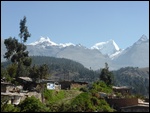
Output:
x,y
136,78
57,67
85,102
3,72
11,45
12,69
16,50
43,71
9,108
100,86
84,89
106,75
59,101
53,96
34,73
32,104
81,103
39,72
104,106
24,30
61,66
54,99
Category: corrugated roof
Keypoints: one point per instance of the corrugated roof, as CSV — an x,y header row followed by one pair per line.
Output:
x,y
26,78
122,87
138,105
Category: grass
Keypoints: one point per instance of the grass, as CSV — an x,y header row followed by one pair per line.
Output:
x,y
60,96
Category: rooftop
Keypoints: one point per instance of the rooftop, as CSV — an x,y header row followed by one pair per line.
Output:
x,y
122,87
26,78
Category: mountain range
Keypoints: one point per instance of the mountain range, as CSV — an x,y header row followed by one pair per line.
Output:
x,y
137,55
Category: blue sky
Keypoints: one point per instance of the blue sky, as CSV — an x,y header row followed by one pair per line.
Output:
x,y
78,22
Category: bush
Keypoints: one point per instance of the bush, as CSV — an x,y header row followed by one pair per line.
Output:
x,y
9,108
32,104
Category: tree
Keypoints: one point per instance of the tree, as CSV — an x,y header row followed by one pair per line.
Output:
x,y
34,73
39,72
3,71
24,34
106,75
16,51
11,69
43,71
9,108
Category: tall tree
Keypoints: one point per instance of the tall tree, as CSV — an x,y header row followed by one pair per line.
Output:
x,y
43,71
16,51
24,34
106,75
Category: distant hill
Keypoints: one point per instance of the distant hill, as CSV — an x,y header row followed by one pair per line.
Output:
x,y
61,68
136,78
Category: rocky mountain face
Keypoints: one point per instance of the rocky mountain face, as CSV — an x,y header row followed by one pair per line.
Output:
x,y
95,57
107,48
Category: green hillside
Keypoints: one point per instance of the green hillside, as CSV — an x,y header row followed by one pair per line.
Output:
x,y
134,77
61,68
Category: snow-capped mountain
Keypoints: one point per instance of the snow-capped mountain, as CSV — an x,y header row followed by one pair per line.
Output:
x,y
66,44
95,57
116,54
142,40
45,41
135,55
107,48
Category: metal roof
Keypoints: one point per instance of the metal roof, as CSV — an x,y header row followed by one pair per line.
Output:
x,y
26,78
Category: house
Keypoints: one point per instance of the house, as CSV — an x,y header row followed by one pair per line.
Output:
x,y
14,94
12,98
27,83
50,84
72,84
128,104
136,108
141,106
123,90
6,87
53,85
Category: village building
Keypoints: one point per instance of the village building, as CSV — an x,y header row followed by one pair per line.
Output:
x,y
53,85
6,87
67,85
11,98
128,104
27,83
10,93
136,108
123,90
64,85
124,104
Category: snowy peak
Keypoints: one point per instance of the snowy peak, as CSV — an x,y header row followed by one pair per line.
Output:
x,y
107,48
66,44
45,41
142,39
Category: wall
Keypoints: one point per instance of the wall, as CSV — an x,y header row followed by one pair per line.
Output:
x,y
121,102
